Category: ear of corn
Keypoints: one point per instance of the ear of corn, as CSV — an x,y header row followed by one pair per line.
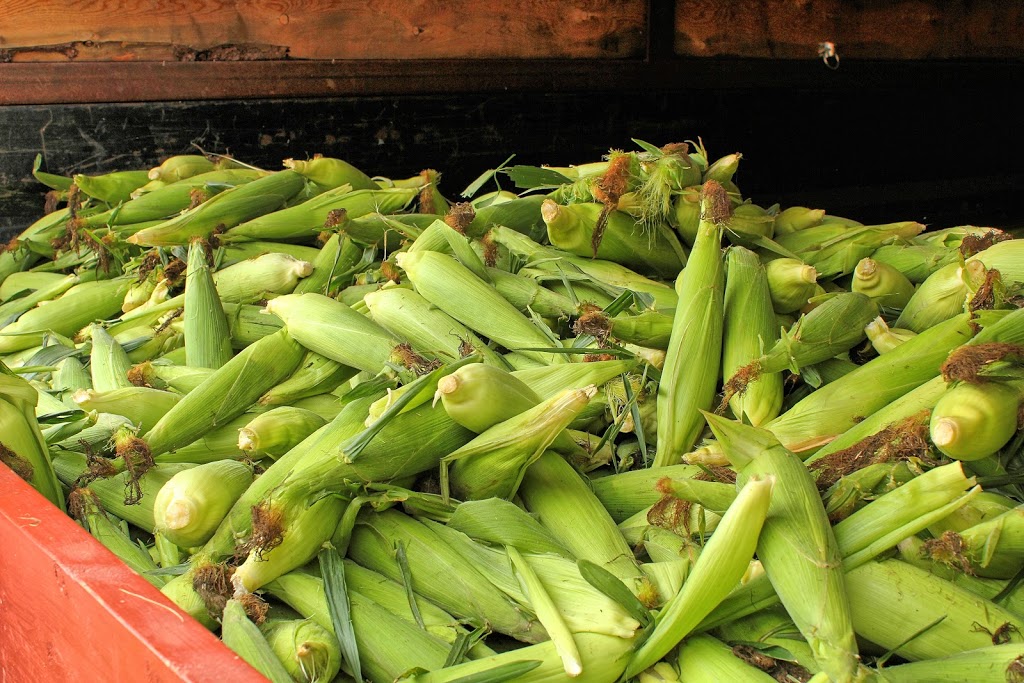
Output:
x,y
995,547
943,621
332,267
565,506
244,638
493,464
973,421
304,221
307,650
259,278
223,211
438,572
409,316
227,393
885,284
21,443
884,338
705,659
526,294
11,309
328,172
190,506
65,315
694,354
791,283
144,406
277,431
179,167
111,187
83,505
497,522
749,330
207,335
316,374
797,546
943,295
334,330
835,249
995,663
721,564
448,285
626,493
108,362
795,218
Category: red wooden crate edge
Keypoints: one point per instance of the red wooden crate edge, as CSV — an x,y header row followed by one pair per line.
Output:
x,y
70,610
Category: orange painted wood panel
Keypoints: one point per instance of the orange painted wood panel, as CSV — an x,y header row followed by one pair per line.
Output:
x,y
320,29
899,29
71,611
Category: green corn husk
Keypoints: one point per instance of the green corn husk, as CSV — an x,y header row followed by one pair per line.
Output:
x,y
315,375
127,498
328,172
227,393
388,232
438,572
287,532
249,324
626,493
835,250
479,396
392,596
722,170
885,284
230,254
388,645
259,278
207,334
526,294
694,355
65,315
992,664
1007,257
10,310
409,316
70,376
773,632
749,329
797,546
686,214
884,338
522,215
722,563
750,224
84,506
334,330
791,283
973,421
243,637
547,381
796,218
22,447
493,464
943,295
277,431
650,329
111,188
180,167
606,272
224,211
840,405
308,651
190,506
303,222
108,362
165,202
624,240
95,436
704,659
937,619
563,502
168,376
915,260
500,522
144,406
995,547
451,287
832,328
332,267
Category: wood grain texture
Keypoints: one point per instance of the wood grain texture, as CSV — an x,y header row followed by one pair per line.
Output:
x,y
71,611
898,29
326,29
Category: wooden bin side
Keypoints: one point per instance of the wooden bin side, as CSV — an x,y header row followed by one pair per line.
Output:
x,y
70,610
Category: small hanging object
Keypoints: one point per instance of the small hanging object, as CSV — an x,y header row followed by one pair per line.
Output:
x,y
828,54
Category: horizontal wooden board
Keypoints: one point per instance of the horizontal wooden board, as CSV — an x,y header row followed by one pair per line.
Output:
x,y
899,29
71,611
321,29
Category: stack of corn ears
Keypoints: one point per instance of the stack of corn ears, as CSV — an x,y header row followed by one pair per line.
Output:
x,y
624,425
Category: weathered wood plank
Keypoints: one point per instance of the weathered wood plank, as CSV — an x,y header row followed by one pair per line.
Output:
x,y
900,29
325,29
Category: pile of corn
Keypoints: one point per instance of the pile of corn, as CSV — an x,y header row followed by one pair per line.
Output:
x,y
622,425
